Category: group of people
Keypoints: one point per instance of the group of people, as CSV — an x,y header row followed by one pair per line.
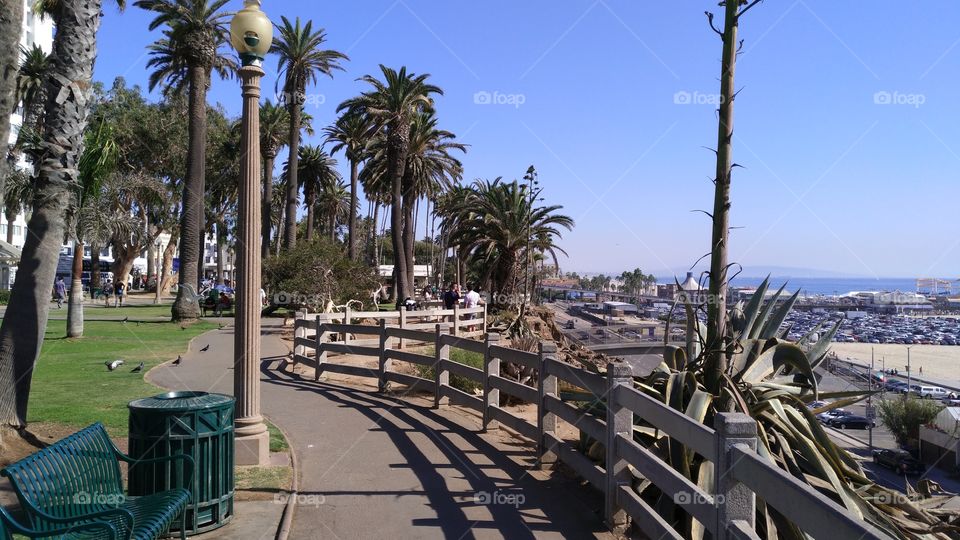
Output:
x,y
454,293
109,290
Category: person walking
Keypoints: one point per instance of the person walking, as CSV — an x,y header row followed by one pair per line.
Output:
x,y
107,292
60,291
472,300
452,296
120,289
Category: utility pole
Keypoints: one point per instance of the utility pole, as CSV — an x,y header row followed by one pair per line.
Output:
x,y
870,415
909,377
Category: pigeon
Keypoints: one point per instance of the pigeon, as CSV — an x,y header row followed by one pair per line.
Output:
x,y
205,349
125,319
177,361
222,326
113,365
138,323
137,369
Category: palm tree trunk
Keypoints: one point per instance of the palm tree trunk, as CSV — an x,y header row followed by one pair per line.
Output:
x,y
409,239
311,199
167,265
716,363
352,223
193,195
268,156
11,220
75,298
396,233
374,252
94,265
25,321
221,252
11,24
293,186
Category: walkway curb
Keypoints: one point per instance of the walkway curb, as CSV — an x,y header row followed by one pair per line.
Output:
x,y
286,520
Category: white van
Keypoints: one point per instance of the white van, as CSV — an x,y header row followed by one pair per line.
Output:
x,y
930,392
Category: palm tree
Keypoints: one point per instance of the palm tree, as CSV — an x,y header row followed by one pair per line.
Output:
x,y
318,171
185,58
69,85
31,93
10,28
274,133
302,58
392,105
351,134
333,202
18,192
491,223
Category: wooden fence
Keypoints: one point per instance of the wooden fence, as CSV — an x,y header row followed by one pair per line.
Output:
x,y
740,473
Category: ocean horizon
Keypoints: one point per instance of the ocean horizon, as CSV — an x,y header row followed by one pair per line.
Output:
x,y
826,286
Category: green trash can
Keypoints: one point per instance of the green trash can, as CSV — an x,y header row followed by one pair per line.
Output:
x,y
198,424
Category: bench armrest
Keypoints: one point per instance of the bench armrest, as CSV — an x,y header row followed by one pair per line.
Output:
x,y
15,527
186,457
127,516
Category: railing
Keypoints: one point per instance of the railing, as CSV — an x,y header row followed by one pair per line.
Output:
x,y
740,474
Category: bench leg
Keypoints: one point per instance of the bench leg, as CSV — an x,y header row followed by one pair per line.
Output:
x,y
183,524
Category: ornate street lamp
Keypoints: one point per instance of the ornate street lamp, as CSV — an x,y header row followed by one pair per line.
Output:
x,y
251,33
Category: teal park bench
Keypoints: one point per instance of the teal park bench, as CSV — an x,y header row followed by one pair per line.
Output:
x,y
73,489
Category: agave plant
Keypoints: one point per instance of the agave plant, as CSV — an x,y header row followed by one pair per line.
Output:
x,y
772,380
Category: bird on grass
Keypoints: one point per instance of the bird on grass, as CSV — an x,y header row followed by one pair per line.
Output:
x,y
125,319
177,361
137,369
138,323
113,365
205,349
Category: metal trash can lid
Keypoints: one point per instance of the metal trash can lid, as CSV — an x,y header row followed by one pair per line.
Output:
x,y
182,401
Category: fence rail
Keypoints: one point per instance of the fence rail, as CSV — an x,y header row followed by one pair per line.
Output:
x,y
740,475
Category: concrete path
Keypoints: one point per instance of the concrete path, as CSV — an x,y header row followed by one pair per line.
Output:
x,y
371,465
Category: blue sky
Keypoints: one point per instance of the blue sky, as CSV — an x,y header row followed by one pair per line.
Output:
x,y
845,124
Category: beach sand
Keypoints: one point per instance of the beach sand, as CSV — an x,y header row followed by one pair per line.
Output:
x,y
940,363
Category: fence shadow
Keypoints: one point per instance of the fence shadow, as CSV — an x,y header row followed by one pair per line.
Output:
x,y
543,509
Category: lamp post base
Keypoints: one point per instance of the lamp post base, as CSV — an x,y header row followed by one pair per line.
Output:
x,y
252,449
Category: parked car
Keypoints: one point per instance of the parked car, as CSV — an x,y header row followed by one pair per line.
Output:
x,y
816,404
851,421
826,417
898,460
929,392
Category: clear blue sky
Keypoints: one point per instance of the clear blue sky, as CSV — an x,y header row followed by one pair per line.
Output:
x,y
832,180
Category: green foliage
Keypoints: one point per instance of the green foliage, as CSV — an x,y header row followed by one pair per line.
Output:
x,y
460,356
4,298
278,443
903,416
317,276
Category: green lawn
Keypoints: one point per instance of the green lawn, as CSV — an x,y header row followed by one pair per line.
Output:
x,y
97,310
72,386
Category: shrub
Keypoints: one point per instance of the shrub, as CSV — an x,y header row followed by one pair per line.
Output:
x,y
903,416
4,298
316,274
460,356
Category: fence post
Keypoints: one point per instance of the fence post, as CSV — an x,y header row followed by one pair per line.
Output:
x,y
733,500
299,331
619,422
403,324
383,365
491,368
346,320
546,422
455,329
484,314
319,352
441,377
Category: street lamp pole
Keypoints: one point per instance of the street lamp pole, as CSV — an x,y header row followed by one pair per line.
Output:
x,y
156,266
870,414
909,377
251,33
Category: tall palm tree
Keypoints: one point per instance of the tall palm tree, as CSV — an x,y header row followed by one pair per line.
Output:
x,y
274,133
185,58
351,134
317,172
11,25
31,93
333,202
69,85
392,105
301,59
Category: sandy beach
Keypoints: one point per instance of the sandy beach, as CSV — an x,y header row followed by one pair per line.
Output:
x,y
940,363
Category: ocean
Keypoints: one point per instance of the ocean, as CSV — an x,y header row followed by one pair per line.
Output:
x,y
826,286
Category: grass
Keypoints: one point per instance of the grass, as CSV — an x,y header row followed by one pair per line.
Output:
x,y
256,478
138,311
461,356
278,443
72,386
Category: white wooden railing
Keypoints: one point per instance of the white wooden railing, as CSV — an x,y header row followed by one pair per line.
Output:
x,y
740,473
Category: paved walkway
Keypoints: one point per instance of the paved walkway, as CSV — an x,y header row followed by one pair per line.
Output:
x,y
373,466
